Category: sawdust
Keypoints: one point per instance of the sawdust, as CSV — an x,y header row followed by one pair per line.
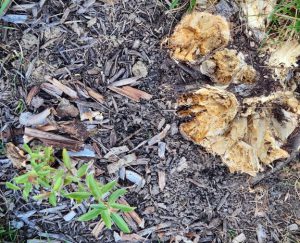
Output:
x,y
228,66
245,136
198,34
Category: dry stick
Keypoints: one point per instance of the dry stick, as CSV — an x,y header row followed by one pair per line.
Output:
x,y
278,167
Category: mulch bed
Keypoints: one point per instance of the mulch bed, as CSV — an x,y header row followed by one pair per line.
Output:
x,y
97,45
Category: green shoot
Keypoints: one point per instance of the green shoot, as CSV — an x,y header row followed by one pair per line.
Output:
x,y
54,183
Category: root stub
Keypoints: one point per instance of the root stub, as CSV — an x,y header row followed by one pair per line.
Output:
x,y
198,34
245,139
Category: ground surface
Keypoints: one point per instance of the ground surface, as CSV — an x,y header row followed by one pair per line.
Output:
x,y
201,200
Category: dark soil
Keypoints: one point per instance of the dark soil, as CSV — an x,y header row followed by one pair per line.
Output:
x,y
202,201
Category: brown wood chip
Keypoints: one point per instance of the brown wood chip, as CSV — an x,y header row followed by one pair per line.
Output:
x,y
92,93
51,139
131,93
33,92
67,90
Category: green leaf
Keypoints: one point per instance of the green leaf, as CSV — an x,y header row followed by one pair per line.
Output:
x,y
105,215
41,196
52,199
27,190
119,221
100,205
122,207
78,195
82,170
44,172
90,215
58,184
116,194
27,148
93,186
43,182
107,187
12,186
66,159
22,179
174,4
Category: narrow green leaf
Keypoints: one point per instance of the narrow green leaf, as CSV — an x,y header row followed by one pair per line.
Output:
x,y
52,199
93,186
27,190
41,196
57,185
44,172
122,207
174,4
82,170
21,179
43,182
12,186
121,224
27,148
107,187
100,205
116,194
66,159
90,215
105,215
78,195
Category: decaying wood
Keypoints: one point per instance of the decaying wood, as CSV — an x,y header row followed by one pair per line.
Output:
x,y
51,139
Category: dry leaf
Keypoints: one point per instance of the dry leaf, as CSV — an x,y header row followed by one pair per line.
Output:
x,y
161,180
16,156
198,34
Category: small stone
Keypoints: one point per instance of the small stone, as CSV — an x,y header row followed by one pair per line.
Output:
x,y
182,165
293,227
252,44
37,102
139,69
161,150
240,238
261,234
136,44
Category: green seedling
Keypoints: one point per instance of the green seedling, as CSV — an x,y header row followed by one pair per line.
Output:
x,y
54,183
176,4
